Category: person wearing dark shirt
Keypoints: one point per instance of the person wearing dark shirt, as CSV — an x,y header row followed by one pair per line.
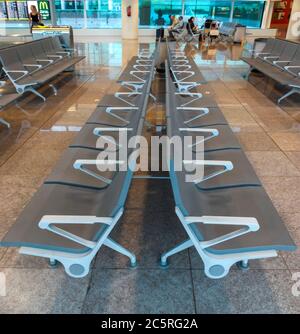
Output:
x,y
191,27
34,17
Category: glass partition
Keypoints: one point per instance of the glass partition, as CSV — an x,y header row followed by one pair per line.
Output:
x,y
249,13
70,12
152,13
104,14
156,13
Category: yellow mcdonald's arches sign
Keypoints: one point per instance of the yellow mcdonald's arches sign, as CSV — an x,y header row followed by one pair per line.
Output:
x,y
43,5
44,9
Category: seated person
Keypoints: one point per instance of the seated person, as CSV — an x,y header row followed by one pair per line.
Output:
x,y
179,26
178,29
174,23
191,27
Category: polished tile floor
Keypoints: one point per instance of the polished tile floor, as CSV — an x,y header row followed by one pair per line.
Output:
x,y
40,132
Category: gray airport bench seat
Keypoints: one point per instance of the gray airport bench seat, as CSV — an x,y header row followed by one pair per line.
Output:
x,y
201,116
72,214
33,64
133,78
90,133
217,137
135,73
115,118
279,60
120,99
121,115
227,215
195,99
186,79
184,70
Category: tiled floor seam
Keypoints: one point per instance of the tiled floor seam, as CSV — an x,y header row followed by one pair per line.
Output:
x,y
192,282
290,160
87,292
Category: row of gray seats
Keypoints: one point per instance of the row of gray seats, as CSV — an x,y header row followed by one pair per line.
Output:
x,y
5,98
279,60
183,69
227,215
72,214
35,63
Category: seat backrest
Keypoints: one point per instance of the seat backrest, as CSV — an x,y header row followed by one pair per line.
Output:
x,y
289,52
56,43
279,47
269,45
295,61
10,59
38,51
47,45
25,53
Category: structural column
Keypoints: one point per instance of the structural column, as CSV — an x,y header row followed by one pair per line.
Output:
x,y
294,24
85,8
231,11
53,13
267,16
130,23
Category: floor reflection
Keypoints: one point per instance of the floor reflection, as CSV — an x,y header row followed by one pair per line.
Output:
x,y
79,91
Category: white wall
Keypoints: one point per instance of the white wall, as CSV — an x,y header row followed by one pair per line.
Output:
x,y
130,24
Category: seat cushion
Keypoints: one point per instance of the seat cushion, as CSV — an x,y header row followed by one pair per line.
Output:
x,y
233,202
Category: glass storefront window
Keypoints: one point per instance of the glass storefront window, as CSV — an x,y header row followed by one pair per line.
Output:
x,y
217,9
221,10
70,12
104,14
99,13
249,13
156,13
152,13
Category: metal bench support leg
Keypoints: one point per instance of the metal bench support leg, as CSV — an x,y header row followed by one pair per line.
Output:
x,y
4,122
34,91
153,97
54,89
52,263
218,265
243,265
291,92
77,264
120,249
246,76
179,248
